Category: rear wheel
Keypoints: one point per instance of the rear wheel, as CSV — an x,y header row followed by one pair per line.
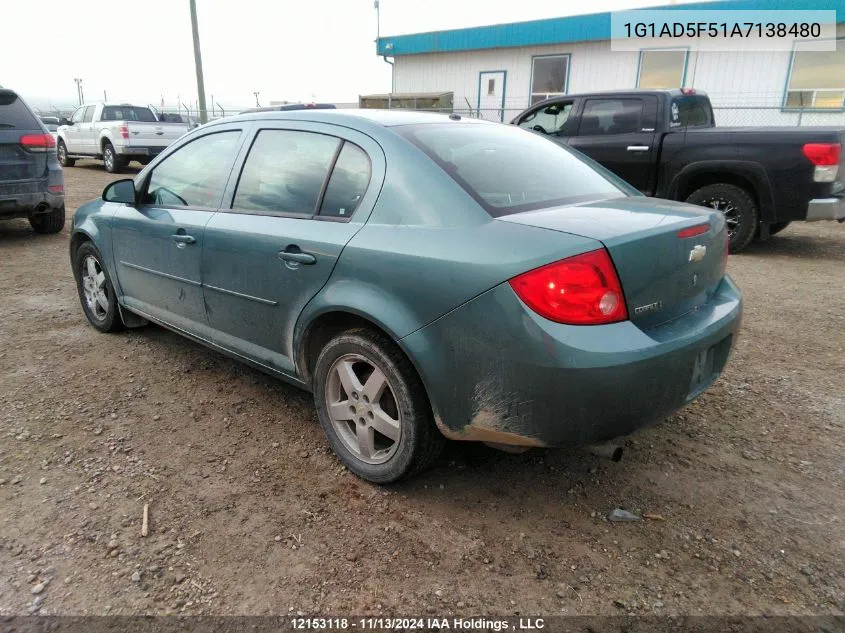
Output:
x,y
777,227
738,207
373,408
51,222
113,162
95,289
64,160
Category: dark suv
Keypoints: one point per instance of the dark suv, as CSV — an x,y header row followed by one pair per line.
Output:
x,y
31,180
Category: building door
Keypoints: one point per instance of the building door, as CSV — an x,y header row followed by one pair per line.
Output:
x,y
491,95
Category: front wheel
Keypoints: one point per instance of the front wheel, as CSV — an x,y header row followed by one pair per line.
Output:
x,y
95,289
64,159
114,164
373,408
738,207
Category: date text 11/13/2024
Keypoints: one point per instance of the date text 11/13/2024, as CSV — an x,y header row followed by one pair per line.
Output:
x,y
423,624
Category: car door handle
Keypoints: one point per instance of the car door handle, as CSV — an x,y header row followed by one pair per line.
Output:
x,y
638,148
181,238
297,257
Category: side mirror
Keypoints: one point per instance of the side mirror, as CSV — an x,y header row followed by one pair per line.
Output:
x,y
64,121
120,191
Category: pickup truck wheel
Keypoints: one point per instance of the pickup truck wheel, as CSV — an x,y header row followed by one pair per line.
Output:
x,y
114,164
777,227
64,160
738,207
51,222
373,408
96,292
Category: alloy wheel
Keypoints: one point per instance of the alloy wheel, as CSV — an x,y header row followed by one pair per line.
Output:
x,y
731,213
362,409
94,287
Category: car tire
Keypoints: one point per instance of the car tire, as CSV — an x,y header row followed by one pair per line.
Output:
x,y
369,364
777,227
737,205
51,222
99,301
64,160
113,163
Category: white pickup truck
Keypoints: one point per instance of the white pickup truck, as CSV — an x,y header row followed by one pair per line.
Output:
x,y
117,133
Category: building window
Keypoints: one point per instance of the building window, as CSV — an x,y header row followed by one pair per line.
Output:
x,y
491,87
817,79
662,68
549,75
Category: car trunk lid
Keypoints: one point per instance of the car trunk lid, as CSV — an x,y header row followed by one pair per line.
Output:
x,y
664,273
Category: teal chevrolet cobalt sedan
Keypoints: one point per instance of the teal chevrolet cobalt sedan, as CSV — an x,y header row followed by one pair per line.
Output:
x,y
425,276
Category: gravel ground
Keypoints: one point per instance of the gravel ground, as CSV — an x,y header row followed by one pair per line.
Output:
x,y
251,514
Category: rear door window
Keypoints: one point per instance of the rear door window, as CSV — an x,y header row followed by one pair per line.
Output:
x,y
285,172
348,183
14,114
611,116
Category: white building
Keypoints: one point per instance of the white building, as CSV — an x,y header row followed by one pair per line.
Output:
x,y
497,71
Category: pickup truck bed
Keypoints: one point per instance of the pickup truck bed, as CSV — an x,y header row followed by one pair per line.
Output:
x,y
665,143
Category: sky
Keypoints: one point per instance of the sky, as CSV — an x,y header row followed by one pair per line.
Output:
x,y
295,50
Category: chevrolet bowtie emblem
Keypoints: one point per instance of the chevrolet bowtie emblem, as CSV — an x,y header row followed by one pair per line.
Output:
x,y
697,253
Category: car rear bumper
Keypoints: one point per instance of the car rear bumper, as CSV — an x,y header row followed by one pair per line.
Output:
x,y
826,209
140,151
495,371
23,199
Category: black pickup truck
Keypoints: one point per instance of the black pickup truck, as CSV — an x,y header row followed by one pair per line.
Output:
x,y
665,143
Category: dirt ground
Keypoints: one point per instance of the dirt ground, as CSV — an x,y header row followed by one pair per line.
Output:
x,y
251,514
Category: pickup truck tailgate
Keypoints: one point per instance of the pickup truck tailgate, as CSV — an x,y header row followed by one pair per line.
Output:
x,y
153,134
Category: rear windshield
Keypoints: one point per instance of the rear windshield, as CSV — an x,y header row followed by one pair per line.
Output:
x,y
128,113
14,114
509,170
690,111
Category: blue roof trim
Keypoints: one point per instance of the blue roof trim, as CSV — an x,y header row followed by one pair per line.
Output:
x,y
576,28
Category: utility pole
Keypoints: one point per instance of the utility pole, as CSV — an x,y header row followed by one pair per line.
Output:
x,y
198,62
257,105
79,95
105,98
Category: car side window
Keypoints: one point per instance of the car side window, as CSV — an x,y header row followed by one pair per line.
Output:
x,y
195,174
611,116
89,114
348,182
77,115
285,172
547,120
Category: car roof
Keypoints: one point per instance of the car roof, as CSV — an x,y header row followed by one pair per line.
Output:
x,y
381,118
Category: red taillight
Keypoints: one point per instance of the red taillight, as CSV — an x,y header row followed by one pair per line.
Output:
x,y
56,188
692,231
823,154
124,131
580,290
687,91
38,142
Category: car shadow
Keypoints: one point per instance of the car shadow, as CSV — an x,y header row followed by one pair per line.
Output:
x,y
797,246
97,166
19,230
